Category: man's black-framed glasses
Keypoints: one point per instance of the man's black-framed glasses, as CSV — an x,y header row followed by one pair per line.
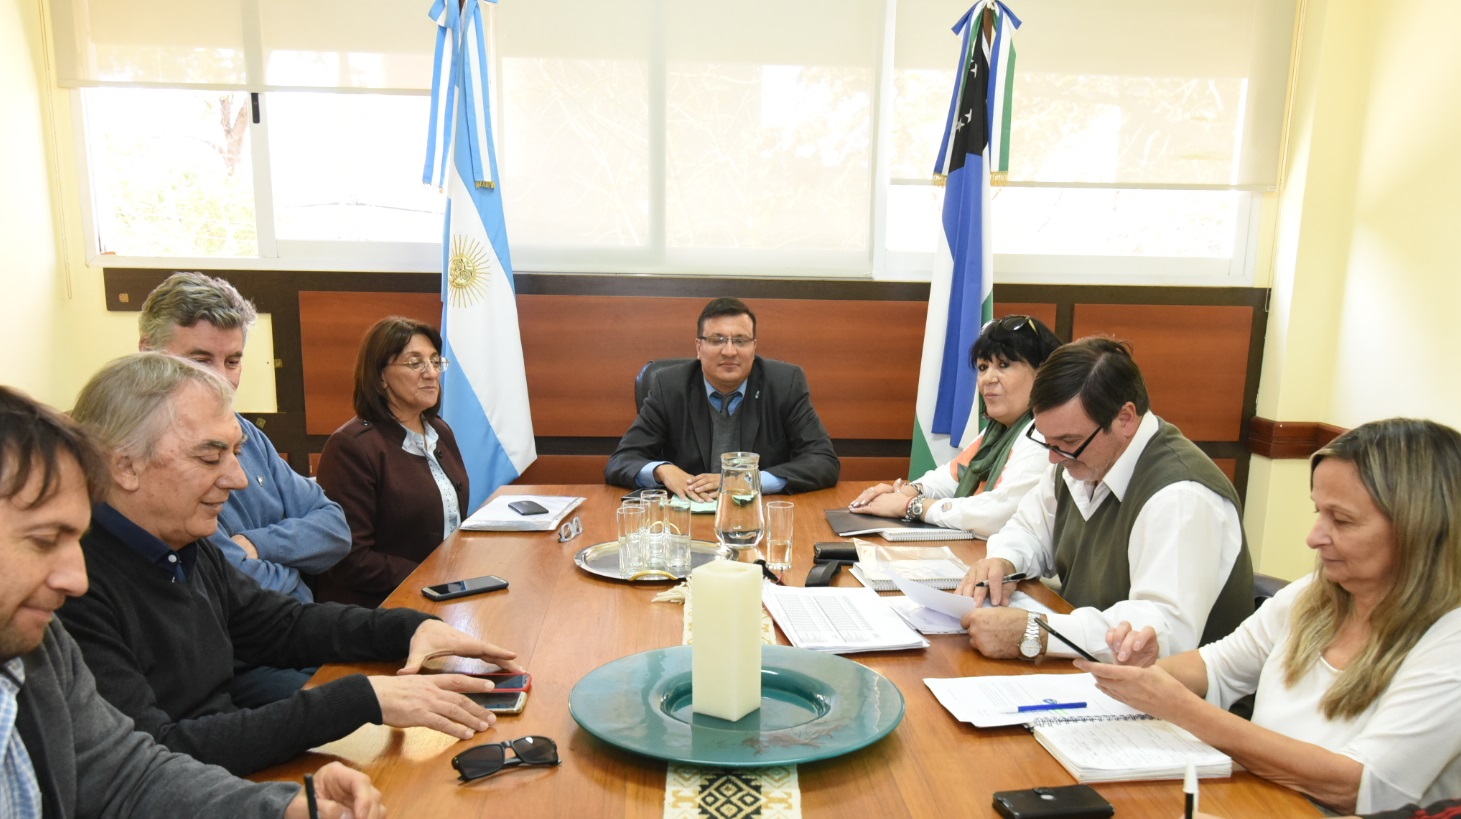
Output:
x,y
485,760
1074,456
740,342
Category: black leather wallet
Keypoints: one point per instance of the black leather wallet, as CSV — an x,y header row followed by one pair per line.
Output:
x,y
834,550
1068,802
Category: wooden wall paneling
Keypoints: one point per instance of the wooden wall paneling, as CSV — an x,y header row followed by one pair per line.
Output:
x,y
1193,357
331,326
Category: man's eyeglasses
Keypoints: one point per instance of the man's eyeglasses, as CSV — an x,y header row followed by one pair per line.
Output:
x,y
486,760
741,342
1074,456
570,529
416,365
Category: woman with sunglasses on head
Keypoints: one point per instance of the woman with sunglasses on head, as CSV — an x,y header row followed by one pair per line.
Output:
x,y
395,467
1357,689
979,490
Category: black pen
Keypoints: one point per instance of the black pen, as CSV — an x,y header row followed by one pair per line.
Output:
x,y
1061,637
1009,578
309,796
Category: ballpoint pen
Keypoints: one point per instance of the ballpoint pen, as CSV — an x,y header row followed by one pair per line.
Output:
x,y
1050,706
1009,578
309,796
1189,791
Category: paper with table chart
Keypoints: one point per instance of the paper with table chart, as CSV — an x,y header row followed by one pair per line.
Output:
x,y
1104,741
957,605
838,620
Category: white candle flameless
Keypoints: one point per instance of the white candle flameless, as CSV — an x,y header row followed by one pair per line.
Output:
x,y
725,652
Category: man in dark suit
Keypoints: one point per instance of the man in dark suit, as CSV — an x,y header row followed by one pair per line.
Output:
x,y
728,400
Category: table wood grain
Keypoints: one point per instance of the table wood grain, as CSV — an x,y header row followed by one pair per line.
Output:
x,y
564,622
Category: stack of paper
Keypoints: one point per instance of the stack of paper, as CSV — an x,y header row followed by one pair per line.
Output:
x,y
495,516
934,566
1095,737
838,620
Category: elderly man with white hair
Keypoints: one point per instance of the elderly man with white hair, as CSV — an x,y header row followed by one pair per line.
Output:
x,y
166,615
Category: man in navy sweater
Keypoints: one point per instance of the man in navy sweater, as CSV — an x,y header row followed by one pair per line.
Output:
x,y
282,525
66,752
167,616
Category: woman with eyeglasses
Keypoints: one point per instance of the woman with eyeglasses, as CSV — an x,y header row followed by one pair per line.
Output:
x,y
979,490
395,467
1354,670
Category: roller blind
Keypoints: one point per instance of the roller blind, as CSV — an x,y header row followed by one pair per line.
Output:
x,y
1119,93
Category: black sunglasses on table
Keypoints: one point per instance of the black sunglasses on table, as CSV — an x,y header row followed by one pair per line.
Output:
x,y
485,760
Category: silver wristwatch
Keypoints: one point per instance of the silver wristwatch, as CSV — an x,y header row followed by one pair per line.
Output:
x,y
915,509
1030,646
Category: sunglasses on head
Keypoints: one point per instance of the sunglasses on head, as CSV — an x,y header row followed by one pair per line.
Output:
x,y
485,760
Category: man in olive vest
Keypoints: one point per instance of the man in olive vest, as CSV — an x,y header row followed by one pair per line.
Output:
x,y
1136,522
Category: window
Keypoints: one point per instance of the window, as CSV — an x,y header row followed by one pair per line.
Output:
x,y
656,136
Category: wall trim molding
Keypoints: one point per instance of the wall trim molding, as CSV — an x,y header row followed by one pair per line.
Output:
x,y
1280,440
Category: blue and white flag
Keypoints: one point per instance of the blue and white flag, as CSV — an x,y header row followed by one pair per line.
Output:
x,y
485,391
960,297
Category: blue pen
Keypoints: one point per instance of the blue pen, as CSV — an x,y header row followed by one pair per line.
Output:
x,y
1050,706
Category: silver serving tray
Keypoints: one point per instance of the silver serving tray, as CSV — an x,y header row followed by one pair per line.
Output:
x,y
602,559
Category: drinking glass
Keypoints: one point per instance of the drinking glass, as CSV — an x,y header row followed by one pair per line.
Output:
x,y
677,531
630,519
655,501
780,522
738,516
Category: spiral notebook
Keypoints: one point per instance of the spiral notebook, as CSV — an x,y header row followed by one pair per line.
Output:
x,y
935,566
1102,741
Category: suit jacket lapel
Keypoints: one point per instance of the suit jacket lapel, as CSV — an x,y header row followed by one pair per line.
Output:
x,y
750,411
700,410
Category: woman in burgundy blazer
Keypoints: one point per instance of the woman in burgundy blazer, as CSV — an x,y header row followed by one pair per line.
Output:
x,y
395,467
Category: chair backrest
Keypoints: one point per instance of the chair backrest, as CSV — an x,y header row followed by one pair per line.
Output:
x,y
646,377
1265,586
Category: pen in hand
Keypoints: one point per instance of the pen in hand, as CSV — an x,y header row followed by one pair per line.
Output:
x,y
309,796
1009,578
1189,791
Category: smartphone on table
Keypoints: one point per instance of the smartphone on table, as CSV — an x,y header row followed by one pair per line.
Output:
x,y
461,588
501,702
505,682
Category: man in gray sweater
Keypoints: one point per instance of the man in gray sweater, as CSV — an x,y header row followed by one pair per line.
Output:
x,y
64,751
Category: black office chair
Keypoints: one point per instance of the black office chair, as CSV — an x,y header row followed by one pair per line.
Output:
x,y
646,376
1264,587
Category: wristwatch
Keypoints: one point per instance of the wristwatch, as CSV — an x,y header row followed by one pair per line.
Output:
x,y
914,510
1030,646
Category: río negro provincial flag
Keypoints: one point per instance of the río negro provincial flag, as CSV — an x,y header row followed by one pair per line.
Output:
x,y
960,301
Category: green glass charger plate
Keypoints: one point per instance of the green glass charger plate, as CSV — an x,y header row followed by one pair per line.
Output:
x,y
813,706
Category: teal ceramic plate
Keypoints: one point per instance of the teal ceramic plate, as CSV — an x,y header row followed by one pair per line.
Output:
x,y
813,706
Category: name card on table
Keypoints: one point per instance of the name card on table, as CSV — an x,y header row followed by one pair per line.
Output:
x,y
725,654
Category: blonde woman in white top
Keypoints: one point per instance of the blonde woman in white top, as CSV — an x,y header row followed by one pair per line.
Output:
x,y
1355,670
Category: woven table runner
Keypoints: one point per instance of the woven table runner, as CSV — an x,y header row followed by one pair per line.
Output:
x,y
731,793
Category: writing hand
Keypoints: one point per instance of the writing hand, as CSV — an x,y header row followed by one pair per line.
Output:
x,y
339,792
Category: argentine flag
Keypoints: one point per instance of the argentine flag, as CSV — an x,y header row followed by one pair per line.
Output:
x,y
485,391
960,297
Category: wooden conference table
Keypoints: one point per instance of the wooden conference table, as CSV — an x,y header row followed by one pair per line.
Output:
x,y
564,623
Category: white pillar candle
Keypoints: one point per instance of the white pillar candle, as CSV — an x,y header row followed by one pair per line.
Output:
x,y
725,651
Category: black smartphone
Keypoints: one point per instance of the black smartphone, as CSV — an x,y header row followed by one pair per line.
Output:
x,y
1067,802
834,550
528,507
461,588
501,702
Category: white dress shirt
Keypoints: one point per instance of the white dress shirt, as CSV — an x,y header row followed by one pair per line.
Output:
x,y
1183,546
